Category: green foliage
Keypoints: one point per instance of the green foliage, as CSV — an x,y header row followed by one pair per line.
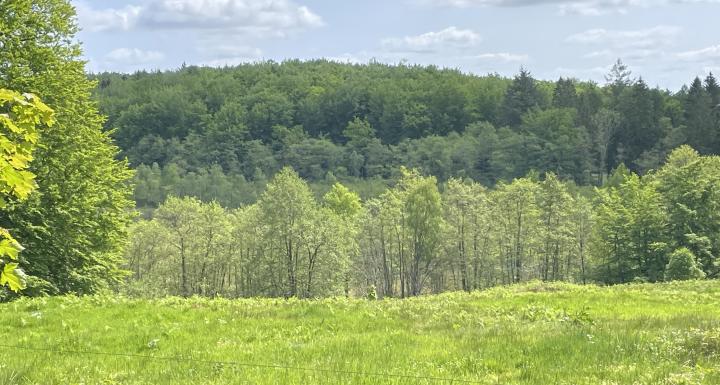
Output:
x,y
285,245
630,235
21,117
683,266
361,123
74,225
414,239
521,97
690,185
423,221
342,201
699,118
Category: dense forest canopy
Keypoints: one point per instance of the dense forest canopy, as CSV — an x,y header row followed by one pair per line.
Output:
x,y
196,127
498,187
317,178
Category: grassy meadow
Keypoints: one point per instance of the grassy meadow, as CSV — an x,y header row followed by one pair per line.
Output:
x,y
534,333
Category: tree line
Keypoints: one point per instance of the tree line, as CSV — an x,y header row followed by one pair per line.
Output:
x,y
422,236
360,123
492,193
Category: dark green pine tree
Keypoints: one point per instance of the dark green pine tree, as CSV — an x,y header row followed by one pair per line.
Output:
x,y
589,103
640,110
521,96
700,130
713,89
565,94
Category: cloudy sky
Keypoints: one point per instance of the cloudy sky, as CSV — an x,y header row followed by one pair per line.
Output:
x,y
668,42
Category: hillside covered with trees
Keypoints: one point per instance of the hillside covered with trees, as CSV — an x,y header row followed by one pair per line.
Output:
x,y
312,222
220,133
318,178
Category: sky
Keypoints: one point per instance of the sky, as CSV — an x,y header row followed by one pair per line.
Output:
x,y
666,42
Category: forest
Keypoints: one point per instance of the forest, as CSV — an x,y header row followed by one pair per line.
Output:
x,y
220,133
318,222
319,179
316,178
422,236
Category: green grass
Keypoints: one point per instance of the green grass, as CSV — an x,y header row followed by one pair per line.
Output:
x,y
527,334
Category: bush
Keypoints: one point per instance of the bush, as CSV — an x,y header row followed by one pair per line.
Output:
x,y
683,266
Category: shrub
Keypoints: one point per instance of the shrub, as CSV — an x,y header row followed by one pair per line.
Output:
x,y
683,266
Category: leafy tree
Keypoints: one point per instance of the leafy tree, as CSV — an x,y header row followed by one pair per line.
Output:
x,y
464,204
516,218
20,118
683,266
186,250
563,145
583,222
555,204
690,186
74,227
342,201
181,216
358,132
423,218
640,128
630,238
303,248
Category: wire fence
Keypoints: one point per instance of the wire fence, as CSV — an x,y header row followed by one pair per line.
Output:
x,y
248,365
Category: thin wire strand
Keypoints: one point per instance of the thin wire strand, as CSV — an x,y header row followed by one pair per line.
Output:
x,y
244,364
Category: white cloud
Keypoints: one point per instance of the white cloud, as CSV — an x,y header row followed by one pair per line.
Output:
x,y
605,53
639,45
594,73
133,56
96,20
641,38
579,7
429,42
221,31
704,54
253,16
502,57
228,51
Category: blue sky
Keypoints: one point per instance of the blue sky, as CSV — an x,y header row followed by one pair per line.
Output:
x,y
667,42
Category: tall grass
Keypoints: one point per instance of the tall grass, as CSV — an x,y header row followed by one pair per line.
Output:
x,y
534,333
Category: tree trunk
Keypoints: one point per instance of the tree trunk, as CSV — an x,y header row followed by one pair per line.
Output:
x,y
183,267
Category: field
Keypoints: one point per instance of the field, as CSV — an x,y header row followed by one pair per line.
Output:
x,y
527,334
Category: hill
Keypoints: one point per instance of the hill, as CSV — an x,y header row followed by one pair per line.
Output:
x,y
535,333
234,127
